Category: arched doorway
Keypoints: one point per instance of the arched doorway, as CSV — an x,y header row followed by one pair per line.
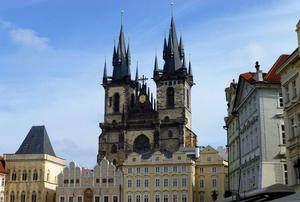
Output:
x,y
88,195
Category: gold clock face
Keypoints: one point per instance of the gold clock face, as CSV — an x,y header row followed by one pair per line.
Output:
x,y
142,98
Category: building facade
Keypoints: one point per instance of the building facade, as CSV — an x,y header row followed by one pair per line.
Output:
x,y
3,175
33,169
290,80
233,139
258,105
158,177
103,183
136,122
211,175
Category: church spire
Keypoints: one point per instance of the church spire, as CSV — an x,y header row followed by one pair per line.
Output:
x,y
190,69
137,73
181,48
104,79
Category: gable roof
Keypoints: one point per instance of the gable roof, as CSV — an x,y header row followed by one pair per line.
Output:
x,y
36,142
272,76
2,166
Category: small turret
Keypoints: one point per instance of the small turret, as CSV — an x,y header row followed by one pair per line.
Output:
x,y
104,79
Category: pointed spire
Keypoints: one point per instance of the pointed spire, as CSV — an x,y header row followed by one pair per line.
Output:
x,y
104,79
137,72
165,51
190,69
128,56
155,64
183,63
181,48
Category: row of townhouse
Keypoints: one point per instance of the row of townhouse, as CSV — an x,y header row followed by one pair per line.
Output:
x,y
34,173
261,126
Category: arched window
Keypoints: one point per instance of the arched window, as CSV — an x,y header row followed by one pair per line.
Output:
x,y
35,175
116,101
24,175
12,197
33,196
188,98
170,97
14,176
114,148
23,197
141,144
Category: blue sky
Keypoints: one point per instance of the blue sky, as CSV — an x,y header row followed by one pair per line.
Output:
x,y
52,55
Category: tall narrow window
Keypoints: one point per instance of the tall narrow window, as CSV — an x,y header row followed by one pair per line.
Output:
x,y
170,97
35,175
24,175
287,94
280,99
283,138
188,98
14,176
285,173
116,101
138,198
12,197
23,197
293,127
157,198
33,197
294,89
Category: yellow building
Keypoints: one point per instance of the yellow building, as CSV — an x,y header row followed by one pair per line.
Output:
x,y
33,169
211,175
289,71
158,177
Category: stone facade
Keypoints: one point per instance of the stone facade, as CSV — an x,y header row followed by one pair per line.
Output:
x,y
261,128
159,177
102,183
33,169
290,80
134,121
211,174
233,139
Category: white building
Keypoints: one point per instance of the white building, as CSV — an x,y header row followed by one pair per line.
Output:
x,y
259,107
101,184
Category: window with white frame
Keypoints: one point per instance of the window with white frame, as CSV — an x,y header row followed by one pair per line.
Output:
x,y
201,183
129,198
157,169
105,199
184,197
285,173
146,183
166,182
280,99
175,197
282,132
157,183
138,170
214,169
166,198
214,183
183,168
157,198
183,182
166,169
138,198
138,183
146,170
175,182
129,170
129,183
146,198
175,168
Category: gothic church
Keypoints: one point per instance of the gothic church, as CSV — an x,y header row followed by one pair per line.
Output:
x,y
136,122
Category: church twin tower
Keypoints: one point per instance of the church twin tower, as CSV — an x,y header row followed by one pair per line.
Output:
x,y
136,122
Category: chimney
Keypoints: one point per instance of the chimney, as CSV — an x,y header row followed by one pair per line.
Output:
x,y
298,33
259,74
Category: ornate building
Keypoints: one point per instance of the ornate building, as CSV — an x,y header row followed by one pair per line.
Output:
x,y
133,119
103,183
33,169
3,174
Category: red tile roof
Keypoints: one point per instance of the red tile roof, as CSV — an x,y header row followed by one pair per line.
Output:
x,y
2,166
272,76
248,76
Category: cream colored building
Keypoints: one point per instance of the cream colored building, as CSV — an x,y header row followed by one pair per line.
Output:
x,y
3,174
290,81
158,177
33,169
101,184
211,175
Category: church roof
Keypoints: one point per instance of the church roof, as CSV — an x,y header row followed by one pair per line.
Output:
x,y
36,142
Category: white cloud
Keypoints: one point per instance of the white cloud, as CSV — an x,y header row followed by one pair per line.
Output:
x,y
24,37
28,38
